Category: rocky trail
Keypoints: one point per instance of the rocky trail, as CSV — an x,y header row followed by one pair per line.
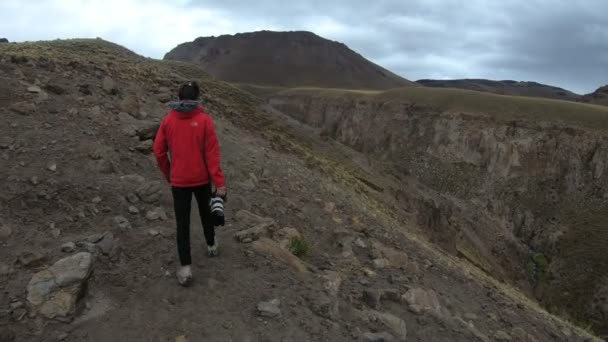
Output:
x,y
87,234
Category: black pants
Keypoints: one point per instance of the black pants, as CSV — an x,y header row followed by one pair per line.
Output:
x,y
182,200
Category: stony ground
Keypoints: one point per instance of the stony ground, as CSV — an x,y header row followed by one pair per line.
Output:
x,y
87,236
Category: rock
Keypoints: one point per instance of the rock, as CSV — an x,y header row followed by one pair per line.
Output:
x,y
4,269
330,207
132,198
249,219
360,243
149,192
285,235
470,316
34,89
94,112
369,273
381,263
333,281
181,338
62,336
130,105
390,295
5,232
502,336
146,130
133,210
156,214
163,97
32,259
23,108
51,166
394,323
55,233
145,146
252,234
34,180
395,257
17,305
325,306
377,337
55,89
96,200
372,298
106,245
122,223
153,232
420,300
6,142
68,247
109,86
266,246
55,291
269,309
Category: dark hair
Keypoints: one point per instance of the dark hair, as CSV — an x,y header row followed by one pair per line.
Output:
x,y
189,91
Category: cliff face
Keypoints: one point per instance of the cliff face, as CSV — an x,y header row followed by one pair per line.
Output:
x,y
526,201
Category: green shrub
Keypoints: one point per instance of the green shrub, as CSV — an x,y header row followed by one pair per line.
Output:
x,y
299,247
538,267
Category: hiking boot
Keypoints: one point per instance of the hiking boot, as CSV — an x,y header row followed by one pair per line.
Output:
x,y
212,251
184,275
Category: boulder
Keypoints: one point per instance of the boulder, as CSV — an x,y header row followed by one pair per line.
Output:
x,y
248,219
266,246
34,89
122,222
252,234
68,247
394,323
420,301
23,108
56,290
109,86
394,257
269,309
285,235
130,105
149,192
156,214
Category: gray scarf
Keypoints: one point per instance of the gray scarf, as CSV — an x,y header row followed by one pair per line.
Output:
x,y
184,106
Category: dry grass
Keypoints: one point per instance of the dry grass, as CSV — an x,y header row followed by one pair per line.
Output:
x,y
499,107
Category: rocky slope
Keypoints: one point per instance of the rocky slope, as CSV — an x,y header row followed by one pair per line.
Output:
x,y
87,238
285,59
516,186
600,96
506,87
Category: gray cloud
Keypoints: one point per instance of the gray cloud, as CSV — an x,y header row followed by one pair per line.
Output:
x,y
559,42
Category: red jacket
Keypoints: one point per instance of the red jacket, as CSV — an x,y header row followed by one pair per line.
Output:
x,y
194,150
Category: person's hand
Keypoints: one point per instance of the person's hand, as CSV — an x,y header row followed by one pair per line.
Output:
x,y
221,192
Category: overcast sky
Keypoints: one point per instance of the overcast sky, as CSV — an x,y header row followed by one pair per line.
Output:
x,y
559,42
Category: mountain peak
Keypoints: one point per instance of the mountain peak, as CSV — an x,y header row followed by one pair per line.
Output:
x,y
267,57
